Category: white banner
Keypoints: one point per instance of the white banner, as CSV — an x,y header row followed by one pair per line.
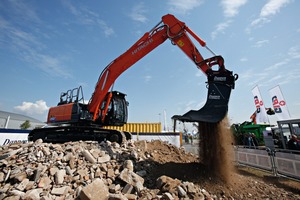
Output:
x,y
261,115
167,137
9,136
279,104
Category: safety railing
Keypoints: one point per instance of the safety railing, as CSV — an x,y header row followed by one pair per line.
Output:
x,y
277,162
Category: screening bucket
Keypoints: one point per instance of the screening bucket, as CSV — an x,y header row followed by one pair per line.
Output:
x,y
216,106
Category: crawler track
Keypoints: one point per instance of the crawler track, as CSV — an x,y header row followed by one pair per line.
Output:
x,y
76,133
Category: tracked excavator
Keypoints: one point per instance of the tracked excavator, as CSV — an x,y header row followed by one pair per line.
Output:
x,y
73,119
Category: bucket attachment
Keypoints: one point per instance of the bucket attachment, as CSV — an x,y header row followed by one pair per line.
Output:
x,y
215,109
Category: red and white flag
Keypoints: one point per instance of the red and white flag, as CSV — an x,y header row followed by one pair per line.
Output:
x,y
279,104
261,115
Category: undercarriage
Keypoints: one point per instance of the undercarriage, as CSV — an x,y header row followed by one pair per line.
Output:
x,y
70,133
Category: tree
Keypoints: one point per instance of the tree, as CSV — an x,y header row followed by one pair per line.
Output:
x,y
25,125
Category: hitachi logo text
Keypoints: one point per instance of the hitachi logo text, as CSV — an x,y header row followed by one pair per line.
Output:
x,y
219,78
143,45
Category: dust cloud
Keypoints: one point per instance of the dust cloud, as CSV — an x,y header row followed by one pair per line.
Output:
x,y
216,149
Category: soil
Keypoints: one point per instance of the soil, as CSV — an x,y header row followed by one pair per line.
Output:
x,y
215,170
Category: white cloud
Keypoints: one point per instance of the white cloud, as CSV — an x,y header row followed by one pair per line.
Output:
x,y
28,47
272,7
276,71
258,78
260,43
275,78
277,65
193,105
147,78
89,18
182,7
21,10
260,21
288,78
251,77
200,104
39,107
294,52
138,13
190,105
231,7
47,63
246,75
220,28
108,31
244,59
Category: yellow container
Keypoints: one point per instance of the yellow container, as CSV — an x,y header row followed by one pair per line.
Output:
x,y
138,127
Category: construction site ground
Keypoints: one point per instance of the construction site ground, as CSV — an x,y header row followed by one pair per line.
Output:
x,y
212,173
242,183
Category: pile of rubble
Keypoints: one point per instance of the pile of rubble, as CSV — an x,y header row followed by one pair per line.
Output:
x,y
87,170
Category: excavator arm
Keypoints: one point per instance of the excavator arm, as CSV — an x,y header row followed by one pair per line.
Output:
x,y
220,82
110,107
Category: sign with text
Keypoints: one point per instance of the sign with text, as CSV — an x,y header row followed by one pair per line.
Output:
x,y
9,136
279,104
261,115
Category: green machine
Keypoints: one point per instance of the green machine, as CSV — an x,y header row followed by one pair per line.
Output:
x,y
241,130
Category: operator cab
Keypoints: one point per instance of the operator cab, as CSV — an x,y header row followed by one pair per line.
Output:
x,y
117,112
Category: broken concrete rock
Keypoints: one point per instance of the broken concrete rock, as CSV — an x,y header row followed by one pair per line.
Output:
x,y
84,170
167,184
132,178
97,190
88,156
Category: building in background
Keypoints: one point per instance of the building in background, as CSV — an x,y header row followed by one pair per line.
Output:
x,y
10,120
10,127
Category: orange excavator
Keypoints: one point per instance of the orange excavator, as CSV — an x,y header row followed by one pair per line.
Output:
x,y
72,119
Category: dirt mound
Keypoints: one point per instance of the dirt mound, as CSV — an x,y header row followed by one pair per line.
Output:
x,y
215,170
224,179
163,152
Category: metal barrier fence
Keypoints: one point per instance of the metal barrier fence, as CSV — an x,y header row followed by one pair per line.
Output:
x,y
288,164
280,163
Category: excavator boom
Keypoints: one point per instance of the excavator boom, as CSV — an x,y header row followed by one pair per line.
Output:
x,y
110,107
220,81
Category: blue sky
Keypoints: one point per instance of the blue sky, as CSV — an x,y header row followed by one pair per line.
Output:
x,y
47,47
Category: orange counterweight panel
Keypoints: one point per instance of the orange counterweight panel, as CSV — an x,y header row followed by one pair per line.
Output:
x,y
60,113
